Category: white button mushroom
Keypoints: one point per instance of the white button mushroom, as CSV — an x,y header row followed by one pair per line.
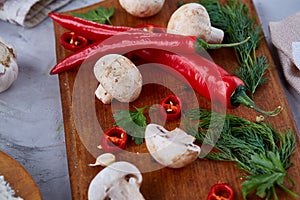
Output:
x,y
120,180
174,149
192,19
119,78
8,66
142,8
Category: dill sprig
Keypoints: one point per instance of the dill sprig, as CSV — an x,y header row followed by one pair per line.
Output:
x,y
263,152
233,18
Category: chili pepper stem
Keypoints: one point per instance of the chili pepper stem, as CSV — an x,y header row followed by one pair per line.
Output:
x,y
240,97
200,43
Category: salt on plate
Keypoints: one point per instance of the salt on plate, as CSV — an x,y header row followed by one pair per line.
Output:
x,y
6,192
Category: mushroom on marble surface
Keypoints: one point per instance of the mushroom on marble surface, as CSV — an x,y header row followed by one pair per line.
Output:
x,y
192,19
174,149
142,8
8,66
120,180
119,78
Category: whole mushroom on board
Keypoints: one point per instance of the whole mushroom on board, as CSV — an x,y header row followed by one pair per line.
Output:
x,y
142,8
174,149
119,78
120,180
8,66
192,19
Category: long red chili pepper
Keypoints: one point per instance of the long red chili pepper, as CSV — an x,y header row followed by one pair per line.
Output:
x,y
88,29
207,78
123,43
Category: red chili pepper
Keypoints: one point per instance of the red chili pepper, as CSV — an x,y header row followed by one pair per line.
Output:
x,y
73,41
171,107
88,29
220,191
123,43
114,139
205,76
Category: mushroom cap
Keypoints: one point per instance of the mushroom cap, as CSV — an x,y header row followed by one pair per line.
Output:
x,y
119,77
190,19
8,66
174,148
142,8
120,180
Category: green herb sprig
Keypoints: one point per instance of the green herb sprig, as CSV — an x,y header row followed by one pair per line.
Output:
x,y
233,17
133,122
100,15
252,146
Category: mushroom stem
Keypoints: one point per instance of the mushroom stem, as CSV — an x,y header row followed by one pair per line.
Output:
x,y
2,69
103,95
216,36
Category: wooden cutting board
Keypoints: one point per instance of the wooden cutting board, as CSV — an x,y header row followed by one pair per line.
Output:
x,y
18,178
85,118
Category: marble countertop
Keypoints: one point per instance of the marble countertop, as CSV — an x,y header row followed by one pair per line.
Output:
x,y
30,111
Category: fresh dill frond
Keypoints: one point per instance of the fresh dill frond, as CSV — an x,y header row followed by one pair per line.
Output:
x,y
257,148
233,18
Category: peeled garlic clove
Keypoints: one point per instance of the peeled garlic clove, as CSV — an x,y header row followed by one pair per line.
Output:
x,y
8,66
104,160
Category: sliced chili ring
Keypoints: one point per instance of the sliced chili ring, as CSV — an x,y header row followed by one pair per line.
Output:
x,y
114,139
171,107
73,41
220,191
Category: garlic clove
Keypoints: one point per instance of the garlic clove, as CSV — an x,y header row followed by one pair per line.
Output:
x,y
8,66
104,160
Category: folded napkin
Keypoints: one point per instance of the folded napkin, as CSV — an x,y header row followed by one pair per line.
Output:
x,y
28,13
285,35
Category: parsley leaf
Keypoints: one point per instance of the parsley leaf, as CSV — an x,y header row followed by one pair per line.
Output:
x,y
273,174
100,15
133,122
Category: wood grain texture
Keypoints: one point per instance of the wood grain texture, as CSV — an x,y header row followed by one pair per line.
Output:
x,y
18,178
85,118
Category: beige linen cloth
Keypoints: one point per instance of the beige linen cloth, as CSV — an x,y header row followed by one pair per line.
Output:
x,y
285,35
28,13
